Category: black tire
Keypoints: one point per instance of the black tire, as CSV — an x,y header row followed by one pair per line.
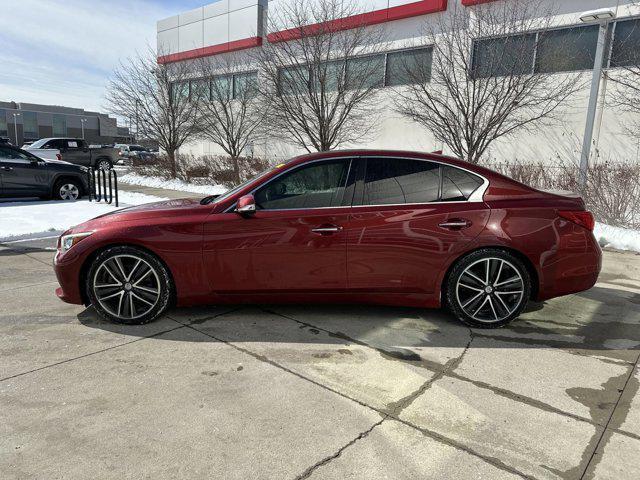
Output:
x,y
67,189
491,304
104,164
118,308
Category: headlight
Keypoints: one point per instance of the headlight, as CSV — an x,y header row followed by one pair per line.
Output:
x,y
68,241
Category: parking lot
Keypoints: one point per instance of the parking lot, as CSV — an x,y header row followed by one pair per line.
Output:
x,y
322,392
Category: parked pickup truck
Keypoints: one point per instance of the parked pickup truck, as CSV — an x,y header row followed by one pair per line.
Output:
x,y
74,150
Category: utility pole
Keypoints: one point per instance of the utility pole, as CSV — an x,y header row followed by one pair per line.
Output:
x,y
15,126
82,120
603,18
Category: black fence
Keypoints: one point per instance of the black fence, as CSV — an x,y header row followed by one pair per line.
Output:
x,y
103,185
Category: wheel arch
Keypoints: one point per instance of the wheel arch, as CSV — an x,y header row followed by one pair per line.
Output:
x,y
86,266
67,176
531,270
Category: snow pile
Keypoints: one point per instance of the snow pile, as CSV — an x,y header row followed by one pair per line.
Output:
x,y
615,237
175,184
26,218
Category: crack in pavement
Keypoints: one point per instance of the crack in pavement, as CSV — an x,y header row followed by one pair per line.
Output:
x,y
445,370
384,413
606,434
307,473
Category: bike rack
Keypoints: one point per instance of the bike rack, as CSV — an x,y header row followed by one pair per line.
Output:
x,y
99,180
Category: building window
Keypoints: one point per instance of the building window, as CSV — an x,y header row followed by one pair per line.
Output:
x,y
625,51
59,125
245,85
180,90
365,72
503,56
566,50
30,125
3,124
201,89
408,66
293,80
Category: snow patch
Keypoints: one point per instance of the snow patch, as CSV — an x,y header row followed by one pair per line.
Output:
x,y
615,237
175,184
22,218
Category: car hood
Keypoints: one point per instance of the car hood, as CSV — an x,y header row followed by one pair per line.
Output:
x,y
165,209
57,162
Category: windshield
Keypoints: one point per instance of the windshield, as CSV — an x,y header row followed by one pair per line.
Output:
x,y
38,143
233,191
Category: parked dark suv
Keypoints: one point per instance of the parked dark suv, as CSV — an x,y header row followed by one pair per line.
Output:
x,y
22,174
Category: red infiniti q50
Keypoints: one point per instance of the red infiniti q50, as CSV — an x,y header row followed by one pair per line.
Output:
x,y
383,227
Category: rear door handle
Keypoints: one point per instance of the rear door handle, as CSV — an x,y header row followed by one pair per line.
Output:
x,y
327,229
455,224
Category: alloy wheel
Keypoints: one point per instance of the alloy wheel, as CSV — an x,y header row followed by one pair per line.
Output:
x,y
69,191
490,289
104,165
126,286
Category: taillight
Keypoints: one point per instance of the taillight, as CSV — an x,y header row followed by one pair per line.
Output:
x,y
58,156
579,217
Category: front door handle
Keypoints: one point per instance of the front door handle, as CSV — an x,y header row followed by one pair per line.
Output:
x,y
455,224
8,169
327,229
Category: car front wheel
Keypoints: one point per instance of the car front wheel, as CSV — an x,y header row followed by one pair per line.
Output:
x,y
488,288
105,165
128,285
67,189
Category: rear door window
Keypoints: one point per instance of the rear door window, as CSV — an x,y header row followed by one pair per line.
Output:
x,y
392,181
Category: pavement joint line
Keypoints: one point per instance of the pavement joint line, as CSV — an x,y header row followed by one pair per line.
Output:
x,y
27,286
68,360
428,433
309,471
613,411
448,372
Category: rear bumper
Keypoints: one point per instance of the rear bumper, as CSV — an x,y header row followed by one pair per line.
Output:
x,y
573,268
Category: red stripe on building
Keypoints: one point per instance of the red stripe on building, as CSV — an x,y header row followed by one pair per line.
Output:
x,y
414,9
211,50
475,2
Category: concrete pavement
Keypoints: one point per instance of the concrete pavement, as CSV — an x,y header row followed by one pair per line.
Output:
x,y
321,392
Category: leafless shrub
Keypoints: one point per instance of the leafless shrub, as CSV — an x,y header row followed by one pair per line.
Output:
x,y
207,169
612,192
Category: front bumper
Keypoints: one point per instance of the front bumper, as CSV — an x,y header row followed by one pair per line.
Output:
x,y
68,274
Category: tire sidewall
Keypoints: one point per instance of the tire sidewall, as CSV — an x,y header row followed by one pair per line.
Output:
x,y
70,181
467,260
166,284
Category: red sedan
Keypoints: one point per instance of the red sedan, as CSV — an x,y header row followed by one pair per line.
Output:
x,y
383,227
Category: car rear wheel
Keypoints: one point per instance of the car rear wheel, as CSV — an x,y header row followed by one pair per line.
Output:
x,y
488,288
67,189
104,165
128,285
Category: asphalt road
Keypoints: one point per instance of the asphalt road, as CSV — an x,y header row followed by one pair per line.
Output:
x,y
321,392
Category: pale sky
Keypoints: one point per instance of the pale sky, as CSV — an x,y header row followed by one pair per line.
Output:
x,y
62,52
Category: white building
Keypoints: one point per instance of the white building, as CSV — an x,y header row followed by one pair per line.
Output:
x,y
234,25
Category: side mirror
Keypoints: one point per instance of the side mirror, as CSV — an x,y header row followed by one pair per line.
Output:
x,y
246,205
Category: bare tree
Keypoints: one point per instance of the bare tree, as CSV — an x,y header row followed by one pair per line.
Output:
x,y
158,97
484,81
232,111
320,74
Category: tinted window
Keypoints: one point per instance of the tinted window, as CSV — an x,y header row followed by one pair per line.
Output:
x,y
54,144
73,144
3,123
504,56
568,49
59,125
11,154
245,85
30,124
314,186
394,181
458,185
409,66
365,72
626,44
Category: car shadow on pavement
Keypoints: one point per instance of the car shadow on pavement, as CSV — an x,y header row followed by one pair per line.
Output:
x,y
601,319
